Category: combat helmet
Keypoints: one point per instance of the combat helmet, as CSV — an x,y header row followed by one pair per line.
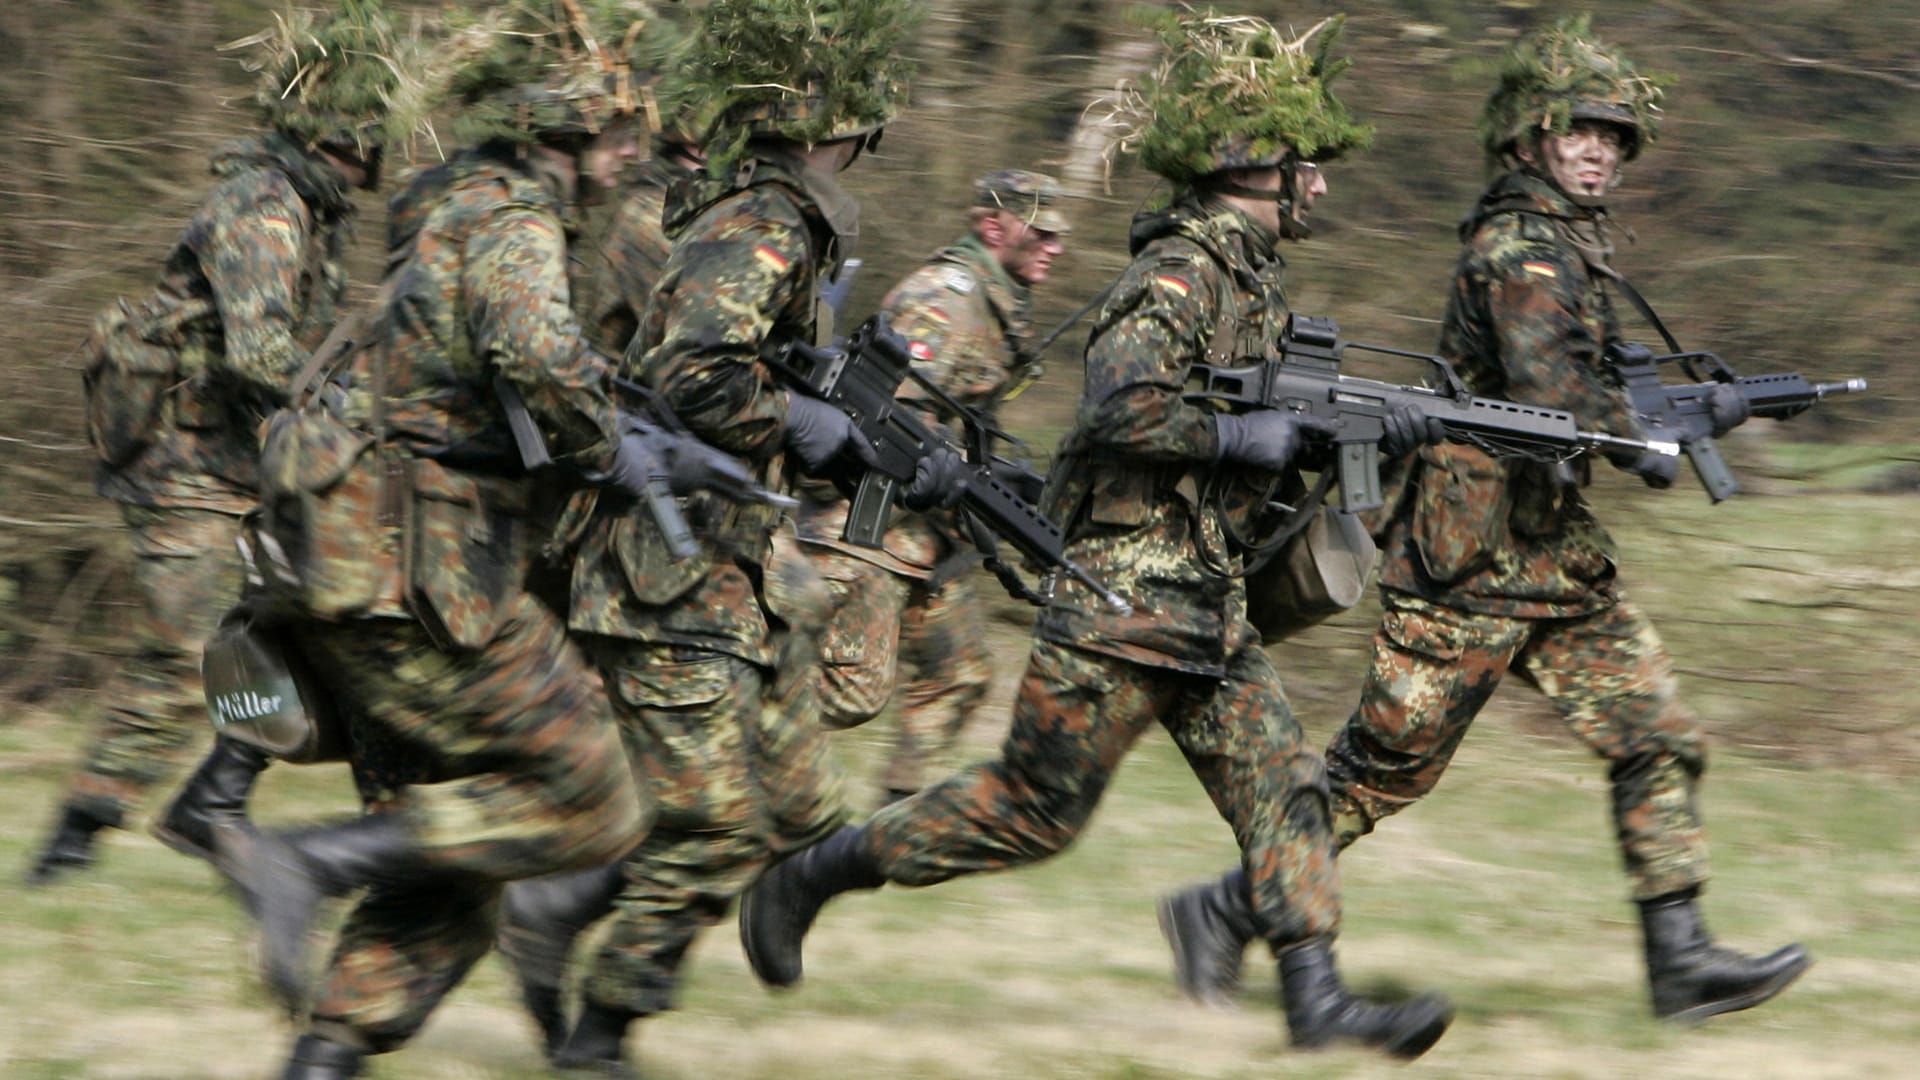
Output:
x,y
1233,92
348,84
810,71
544,71
1561,74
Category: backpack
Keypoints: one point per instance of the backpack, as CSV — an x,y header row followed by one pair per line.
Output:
x,y
131,364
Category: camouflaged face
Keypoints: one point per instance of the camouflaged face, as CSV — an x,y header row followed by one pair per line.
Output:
x,y
253,283
1034,198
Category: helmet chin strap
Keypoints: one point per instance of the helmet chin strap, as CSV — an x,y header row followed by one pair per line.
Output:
x,y
1286,197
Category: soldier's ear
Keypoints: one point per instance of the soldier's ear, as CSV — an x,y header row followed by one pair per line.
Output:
x,y
993,230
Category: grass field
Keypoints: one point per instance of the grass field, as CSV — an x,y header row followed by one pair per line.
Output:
x,y
1502,889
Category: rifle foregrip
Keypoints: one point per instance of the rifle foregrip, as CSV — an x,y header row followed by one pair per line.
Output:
x,y
1711,468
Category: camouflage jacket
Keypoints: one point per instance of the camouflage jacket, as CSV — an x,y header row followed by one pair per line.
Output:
x,y
254,282
1527,320
481,252
749,253
968,323
1132,482
633,254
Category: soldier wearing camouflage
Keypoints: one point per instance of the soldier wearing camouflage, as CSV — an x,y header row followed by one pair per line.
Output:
x,y
1493,566
253,282
1131,485
483,742
710,657
966,314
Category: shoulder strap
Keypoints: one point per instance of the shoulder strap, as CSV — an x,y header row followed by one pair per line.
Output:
x,y
1640,304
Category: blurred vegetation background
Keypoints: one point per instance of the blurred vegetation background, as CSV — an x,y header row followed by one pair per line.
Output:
x,y
1777,222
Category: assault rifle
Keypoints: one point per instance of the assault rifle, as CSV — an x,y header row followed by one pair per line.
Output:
x,y
675,452
1684,412
861,378
1305,379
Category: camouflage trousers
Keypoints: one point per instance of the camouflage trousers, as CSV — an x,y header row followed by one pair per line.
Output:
x,y
738,764
1607,674
188,573
1076,717
505,762
884,626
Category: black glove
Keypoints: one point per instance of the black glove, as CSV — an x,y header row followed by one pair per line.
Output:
x,y
1728,406
817,433
1265,439
636,460
939,479
1408,428
1658,470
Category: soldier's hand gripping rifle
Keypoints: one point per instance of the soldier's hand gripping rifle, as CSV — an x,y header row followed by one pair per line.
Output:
x,y
1305,379
674,460
1684,412
860,379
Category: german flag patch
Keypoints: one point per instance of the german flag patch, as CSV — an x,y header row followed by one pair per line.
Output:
x,y
1540,269
771,259
1174,284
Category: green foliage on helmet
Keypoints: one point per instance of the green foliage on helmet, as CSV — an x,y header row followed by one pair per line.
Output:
x,y
807,70
350,81
1561,74
532,70
1233,92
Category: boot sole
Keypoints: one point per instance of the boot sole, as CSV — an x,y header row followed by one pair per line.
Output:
x,y
1421,1040
1182,959
1759,995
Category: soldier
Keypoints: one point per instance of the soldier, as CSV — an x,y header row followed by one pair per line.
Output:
x,y
966,314
253,283
1149,485
1499,565
709,657
483,741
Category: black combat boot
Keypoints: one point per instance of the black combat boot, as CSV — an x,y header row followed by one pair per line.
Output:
x,y
71,845
1321,1012
283,877
776,912
215,794
315,1058
1692,978
596,1048
539,920
1208,928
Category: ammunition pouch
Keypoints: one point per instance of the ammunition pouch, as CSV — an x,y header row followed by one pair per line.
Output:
x,y
260,692
1321,571
131,366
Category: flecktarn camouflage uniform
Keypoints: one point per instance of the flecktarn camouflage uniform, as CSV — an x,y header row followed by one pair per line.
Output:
x,y
252,284
966,320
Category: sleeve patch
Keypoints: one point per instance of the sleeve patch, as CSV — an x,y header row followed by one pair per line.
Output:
x,y
958,280
921,351
1540,269
1168,281
771,259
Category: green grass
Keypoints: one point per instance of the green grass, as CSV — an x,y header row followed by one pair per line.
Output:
x,y
1501,890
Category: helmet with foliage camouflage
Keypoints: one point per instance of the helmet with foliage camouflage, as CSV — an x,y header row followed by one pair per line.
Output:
x,y
1233,92
348,83
1561,74
812,71
530,71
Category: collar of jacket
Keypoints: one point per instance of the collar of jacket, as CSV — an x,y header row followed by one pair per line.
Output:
x,y
1233,239
834,212
1523,192
319,183
1012,301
